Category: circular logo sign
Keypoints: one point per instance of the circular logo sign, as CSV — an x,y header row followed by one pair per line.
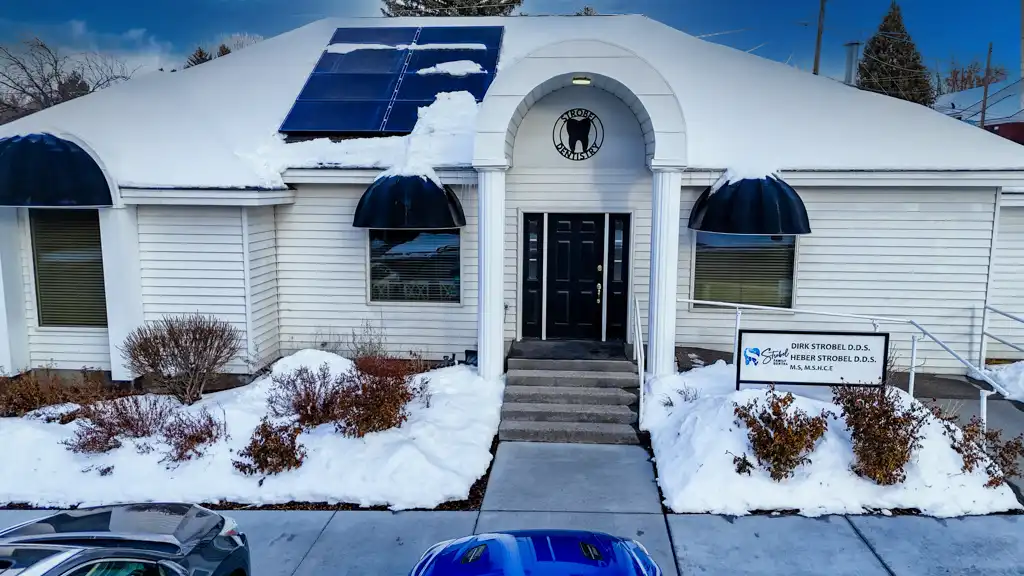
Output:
x,y
578,134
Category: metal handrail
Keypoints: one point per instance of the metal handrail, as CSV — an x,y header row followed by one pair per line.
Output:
x,y
638,354
985,332
875,320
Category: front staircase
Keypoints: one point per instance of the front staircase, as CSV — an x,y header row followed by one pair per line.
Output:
x,y
559,400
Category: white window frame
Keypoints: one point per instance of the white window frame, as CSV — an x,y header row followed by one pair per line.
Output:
x,y
462,272
723,310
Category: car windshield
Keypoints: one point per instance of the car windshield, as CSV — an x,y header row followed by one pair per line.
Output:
x,y
15,559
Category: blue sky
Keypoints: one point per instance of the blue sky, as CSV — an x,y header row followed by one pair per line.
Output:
x,y
154,33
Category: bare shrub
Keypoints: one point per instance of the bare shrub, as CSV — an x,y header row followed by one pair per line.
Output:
x,y
310,398
37,389
271,450
884,432
688,394
182,353
978,446
781,436
327,340
742,464
375,396
104,425
368,341
189,434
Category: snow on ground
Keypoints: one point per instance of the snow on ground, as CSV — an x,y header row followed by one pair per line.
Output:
x,y
1010,377
694,443
434,457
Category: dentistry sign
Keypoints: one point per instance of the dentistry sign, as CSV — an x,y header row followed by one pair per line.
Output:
x,y
812,358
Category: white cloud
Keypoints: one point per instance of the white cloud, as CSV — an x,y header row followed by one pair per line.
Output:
x,y
136,47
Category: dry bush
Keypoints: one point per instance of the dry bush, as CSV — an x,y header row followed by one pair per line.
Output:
x,y
375,396
311,398
37,389
272,449
327,340
187,435
103,425
368,341
884,432
781,436
978,446
182,354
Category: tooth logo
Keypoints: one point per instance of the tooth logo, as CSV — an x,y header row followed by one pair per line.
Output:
x,y
578,134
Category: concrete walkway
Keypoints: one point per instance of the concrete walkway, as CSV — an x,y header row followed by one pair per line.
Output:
x,y
612,489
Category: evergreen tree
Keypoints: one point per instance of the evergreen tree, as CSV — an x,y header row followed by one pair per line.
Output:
x,y
198,57
892,64
587,11
394,8
223,50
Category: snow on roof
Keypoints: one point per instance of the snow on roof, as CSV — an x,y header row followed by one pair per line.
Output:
x,y
1004,103
216,125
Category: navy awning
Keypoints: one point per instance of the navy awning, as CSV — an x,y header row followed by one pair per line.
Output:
x,y
766,206
408,202
42,170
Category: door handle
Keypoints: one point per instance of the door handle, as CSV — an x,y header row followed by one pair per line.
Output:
x,y
598,292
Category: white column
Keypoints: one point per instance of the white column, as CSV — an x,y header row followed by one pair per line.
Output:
x,y
13,326
122,280
661,313
491,254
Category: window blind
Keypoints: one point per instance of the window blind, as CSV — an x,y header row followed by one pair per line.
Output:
x,y
415,265
744,269
69,267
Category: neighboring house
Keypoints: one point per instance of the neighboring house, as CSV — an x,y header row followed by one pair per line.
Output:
x,y
576,157
1004,110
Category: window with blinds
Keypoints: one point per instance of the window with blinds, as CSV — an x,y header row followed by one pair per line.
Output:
x,y
415,266
744,269
69,267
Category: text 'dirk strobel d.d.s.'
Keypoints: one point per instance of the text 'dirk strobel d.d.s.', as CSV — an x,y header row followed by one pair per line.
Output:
x,y
812,358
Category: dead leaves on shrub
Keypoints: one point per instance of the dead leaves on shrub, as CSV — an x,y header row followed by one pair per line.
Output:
x,y
38,389
310,398
978,446
273,448
884,432
188,434
781,435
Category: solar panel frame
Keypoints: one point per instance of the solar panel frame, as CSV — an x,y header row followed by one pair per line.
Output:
x,y
489,36
427,86
362,61
336,117
388,35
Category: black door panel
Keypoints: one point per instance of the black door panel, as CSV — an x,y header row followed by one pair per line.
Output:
x,y
575,260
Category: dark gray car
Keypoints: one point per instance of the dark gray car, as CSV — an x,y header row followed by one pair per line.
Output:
x,y
151,539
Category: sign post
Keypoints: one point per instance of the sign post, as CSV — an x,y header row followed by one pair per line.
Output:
x,y
812,358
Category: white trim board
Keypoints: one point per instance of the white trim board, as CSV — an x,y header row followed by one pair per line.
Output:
x,y
366,176
931,179
200,197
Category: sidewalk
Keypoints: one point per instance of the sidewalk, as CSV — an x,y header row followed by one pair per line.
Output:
x,y
612,489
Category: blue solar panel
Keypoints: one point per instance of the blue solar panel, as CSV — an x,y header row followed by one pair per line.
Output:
x,y
349,87
376,61
373,35
489,36
351,93
336,117
404,115
427,86
487,59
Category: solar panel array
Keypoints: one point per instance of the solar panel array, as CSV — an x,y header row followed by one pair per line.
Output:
x,y
367,82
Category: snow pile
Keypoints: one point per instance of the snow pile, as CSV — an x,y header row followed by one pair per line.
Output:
x,y
756,170
443,136
454,68
434,457
1010,377
694,443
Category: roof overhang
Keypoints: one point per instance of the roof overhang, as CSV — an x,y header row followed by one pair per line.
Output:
x,y
878,178
207,196
451,176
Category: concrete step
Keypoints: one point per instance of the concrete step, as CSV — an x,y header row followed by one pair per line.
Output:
x,y
588,378
587,433
568,395
572,365
597,413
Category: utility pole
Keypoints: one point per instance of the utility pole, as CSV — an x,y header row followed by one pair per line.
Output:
x,y
821,29
984,81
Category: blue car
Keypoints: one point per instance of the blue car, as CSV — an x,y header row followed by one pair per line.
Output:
x,y
537,553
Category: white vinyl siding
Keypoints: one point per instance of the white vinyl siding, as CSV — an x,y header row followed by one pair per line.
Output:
x,y
192,261
322,284
920,254
262,237
62,348
1008,284
589,191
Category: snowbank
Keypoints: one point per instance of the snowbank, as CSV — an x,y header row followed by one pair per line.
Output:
x,y
694,442
1010,377
434,457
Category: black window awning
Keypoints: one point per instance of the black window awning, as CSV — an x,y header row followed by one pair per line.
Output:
x,y
42,170
762,206
401,201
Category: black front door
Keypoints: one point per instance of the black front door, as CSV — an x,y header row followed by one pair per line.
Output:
x,y
576,247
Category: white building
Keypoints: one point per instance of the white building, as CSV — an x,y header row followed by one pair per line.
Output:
x,y
176,193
